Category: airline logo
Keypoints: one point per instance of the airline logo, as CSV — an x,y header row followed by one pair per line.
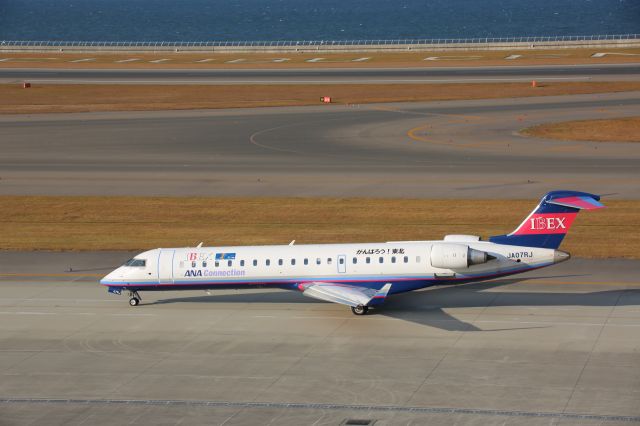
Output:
x,y
225,256
546,223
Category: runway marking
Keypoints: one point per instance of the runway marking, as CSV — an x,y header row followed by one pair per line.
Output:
x,y
253,141
235,61
5,59
603,54
360,59
205,60
75,314
322,406
453,58
159,61
511,57
82,60
122,61
412,134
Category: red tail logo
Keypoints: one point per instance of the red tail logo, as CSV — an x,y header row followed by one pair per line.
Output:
x,y
546,223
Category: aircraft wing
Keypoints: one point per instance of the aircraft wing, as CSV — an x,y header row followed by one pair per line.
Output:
x,y
349,295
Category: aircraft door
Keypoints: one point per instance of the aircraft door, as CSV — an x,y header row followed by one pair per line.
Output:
x,y
165,266
342,263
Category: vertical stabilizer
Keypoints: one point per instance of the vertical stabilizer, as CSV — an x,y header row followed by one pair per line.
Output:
x,y
550,221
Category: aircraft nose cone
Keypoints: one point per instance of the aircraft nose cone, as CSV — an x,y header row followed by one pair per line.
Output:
x,y
560,256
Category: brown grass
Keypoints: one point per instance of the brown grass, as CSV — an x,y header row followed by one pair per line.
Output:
x,y
377,59
608,130
135,223
84,98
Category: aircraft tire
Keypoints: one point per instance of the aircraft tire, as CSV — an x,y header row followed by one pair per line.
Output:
x,y
134,301
359,310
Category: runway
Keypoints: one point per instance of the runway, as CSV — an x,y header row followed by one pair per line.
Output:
x,y
455,149
468,74
555,346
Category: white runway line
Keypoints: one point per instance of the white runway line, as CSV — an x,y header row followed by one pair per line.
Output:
x,y
235,61
82,60
315,60
159,61
122,61
360,59
205,60
511,57
5,59
603,54
452,58
279,60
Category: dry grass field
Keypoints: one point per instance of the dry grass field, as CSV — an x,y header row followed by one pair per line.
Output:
x,y
134,223
607,130
86,98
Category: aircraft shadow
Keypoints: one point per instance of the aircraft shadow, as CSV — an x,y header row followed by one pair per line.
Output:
x,y
429,306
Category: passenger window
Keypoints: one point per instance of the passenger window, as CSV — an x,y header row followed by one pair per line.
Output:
x,y
230,263
406,259
280,262
242,263
217,264
393,259
255,262
268,262
328,261
204,264
318,261
193,264
368,260
293,261
355,260
306,261
381,259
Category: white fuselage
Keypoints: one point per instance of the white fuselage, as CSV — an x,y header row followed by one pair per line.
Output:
x,y
407,265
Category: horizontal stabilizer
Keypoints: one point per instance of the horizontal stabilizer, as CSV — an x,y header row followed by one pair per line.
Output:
x,y
583,202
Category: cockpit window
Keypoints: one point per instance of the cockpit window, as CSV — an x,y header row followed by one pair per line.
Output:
x,y
136,262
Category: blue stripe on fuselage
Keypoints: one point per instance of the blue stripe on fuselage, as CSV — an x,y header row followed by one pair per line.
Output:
x,y
401,284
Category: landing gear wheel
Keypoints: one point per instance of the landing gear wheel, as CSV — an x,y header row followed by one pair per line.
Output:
x,y
359,310
134,298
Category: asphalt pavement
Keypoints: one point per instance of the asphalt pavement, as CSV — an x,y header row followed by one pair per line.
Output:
x,y
468,74
554,346
456,149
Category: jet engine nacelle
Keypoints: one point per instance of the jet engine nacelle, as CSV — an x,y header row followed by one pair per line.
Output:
x,y
456,256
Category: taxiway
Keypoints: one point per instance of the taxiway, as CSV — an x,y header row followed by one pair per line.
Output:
x,y
553,346
432,150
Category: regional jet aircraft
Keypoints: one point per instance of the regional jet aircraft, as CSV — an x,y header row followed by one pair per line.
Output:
x,y
359,275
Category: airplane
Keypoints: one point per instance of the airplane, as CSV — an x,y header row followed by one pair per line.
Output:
x,y
359,275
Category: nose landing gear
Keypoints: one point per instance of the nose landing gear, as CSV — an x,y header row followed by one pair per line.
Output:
x,y
134,298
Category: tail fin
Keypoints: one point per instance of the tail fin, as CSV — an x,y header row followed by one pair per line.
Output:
x,y
550,221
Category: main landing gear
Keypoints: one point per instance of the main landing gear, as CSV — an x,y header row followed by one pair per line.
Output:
x,y
359,310
134,299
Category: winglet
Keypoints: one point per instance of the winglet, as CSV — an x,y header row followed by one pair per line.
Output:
x,y
380,295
